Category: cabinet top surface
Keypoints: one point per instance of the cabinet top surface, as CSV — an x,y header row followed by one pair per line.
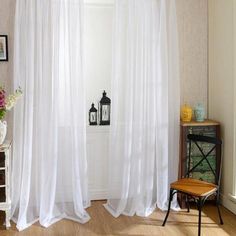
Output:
x,y
6,145
204,123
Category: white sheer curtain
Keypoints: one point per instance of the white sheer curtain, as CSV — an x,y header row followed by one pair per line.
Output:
x,y
145,107
49,165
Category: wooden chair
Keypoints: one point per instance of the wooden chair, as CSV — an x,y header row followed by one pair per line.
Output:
x,y
194,188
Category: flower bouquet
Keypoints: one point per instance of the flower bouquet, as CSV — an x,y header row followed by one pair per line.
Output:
x,y
6,104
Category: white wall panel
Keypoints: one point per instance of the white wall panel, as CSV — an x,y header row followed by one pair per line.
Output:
x,y
222,100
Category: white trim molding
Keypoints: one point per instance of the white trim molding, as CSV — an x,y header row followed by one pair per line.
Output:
x,y
98,194
94,129
99,2
229,202
232,198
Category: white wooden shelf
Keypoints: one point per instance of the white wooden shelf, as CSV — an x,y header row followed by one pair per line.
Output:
x,y
99,2
5,201
93,129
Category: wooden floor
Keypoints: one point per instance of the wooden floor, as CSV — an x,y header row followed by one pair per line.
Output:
x,y
102,223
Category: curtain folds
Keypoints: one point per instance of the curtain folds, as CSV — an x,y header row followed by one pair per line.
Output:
x,y
49,179
145,107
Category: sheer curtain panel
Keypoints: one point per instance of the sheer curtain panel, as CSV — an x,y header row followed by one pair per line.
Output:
x,y
49,165
145,107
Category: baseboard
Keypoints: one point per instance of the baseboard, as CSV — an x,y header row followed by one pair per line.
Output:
x,y
228,203
102,194
98,194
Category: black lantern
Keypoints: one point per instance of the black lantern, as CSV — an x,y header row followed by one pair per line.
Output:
x,y
105,105
93,115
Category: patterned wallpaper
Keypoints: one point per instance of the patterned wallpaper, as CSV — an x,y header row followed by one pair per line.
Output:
x,y
192,16
7,11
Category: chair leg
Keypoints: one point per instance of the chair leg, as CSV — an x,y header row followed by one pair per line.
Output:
x,y
221,220
218,208
187,203
170,199
200,203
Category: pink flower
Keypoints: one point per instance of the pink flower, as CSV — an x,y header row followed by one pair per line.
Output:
x,y
2,104
2,98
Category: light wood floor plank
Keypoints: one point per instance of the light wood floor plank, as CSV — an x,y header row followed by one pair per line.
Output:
x,y
102,223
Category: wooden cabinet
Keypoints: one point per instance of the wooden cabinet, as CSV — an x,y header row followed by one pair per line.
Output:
x,y
5,201
208,128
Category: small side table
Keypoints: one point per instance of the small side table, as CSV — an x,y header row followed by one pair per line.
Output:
x,y
5,164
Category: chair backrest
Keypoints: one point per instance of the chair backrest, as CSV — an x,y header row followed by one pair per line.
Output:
x,y
216,146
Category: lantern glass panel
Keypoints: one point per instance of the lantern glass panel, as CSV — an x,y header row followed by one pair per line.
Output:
x,y
105,112
93,117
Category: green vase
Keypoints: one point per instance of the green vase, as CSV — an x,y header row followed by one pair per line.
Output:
x,y
199,113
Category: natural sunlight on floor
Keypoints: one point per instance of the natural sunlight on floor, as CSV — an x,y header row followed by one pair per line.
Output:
x,y
102,223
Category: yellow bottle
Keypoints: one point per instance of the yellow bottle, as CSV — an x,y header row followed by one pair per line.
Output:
x,y
186,113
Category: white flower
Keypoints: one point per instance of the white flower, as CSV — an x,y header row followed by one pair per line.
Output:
x,y
12,99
